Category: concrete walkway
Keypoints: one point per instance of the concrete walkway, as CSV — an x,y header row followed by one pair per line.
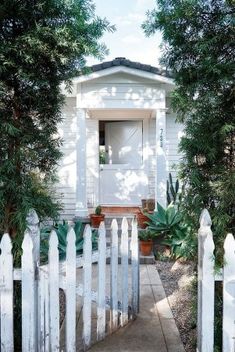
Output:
x,y
154,330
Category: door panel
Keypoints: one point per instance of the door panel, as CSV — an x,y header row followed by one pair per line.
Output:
x,y
123,180
124,142
122,186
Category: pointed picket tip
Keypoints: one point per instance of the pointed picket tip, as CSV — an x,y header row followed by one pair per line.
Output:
x,y
87,231
114,225
209,245
27,243
53,240
71,236
134,223
205,219
32,217
124,224
101,227
229,243
6,243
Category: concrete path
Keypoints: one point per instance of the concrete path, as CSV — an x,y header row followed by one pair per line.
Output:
x,y
154,330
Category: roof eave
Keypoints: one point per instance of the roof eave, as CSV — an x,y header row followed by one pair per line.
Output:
x,y
123,69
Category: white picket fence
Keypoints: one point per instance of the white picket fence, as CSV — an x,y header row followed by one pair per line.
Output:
x,y
40,287
206,288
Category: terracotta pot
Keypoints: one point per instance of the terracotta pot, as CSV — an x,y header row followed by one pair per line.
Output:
x,y
144,203
150,204
146,247
96,220
141,218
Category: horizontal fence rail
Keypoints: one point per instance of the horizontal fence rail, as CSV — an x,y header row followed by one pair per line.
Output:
x,y
206,289
41,285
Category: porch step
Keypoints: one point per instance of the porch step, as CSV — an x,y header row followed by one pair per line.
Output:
x,y
120,210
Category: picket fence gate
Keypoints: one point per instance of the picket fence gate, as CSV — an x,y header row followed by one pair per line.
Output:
x,y
206,288
40,287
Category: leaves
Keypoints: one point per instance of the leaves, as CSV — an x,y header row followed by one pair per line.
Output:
x,y
42,44
198,49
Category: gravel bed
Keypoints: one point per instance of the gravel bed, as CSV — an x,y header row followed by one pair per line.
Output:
x,y
177,278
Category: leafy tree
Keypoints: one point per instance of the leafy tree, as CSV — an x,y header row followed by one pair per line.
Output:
x,y
199,48
42,44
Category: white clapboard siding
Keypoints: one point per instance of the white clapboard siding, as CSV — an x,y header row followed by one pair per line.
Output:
x,y
6,294
229,295
124,264
135,268
54,305
101,313
28,297
71,292
114,276
87,252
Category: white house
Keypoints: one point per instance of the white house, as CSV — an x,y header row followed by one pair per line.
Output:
x,y
120,137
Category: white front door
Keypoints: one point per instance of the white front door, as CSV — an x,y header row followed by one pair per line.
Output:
x,y
123,180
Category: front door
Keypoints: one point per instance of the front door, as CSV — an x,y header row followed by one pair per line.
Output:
x,y
123,180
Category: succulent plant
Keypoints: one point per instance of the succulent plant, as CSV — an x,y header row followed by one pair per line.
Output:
x,y
98,210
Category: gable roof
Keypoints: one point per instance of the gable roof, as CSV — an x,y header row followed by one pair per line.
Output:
x,y
122,61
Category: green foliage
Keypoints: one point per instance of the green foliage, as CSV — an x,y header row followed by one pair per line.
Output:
x,y
145,235
62,230
177,234
42,44
198,48
98,210
164,220
183,243
172,191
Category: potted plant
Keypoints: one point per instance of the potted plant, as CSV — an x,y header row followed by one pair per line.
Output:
x,y
97,217
142,218
146,242
150,204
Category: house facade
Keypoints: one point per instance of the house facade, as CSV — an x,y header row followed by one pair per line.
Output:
x,y
120,138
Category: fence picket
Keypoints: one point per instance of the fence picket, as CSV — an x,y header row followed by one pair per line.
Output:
x,y
33,229
207,298
87,252
44,329
101,314
54,305
28,297
114,276
40,287
71,292
229,295
135,268
124,265
204,231
6,294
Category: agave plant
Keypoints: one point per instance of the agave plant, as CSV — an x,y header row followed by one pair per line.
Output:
x,y
62,230
178,235
164,220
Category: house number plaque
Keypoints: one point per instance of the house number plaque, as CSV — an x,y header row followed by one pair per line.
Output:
x,y
161,137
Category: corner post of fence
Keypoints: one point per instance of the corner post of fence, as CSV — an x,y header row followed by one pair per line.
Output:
x,y
32,223
203,232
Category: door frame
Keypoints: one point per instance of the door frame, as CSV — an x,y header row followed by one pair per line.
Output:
x,y
145,162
